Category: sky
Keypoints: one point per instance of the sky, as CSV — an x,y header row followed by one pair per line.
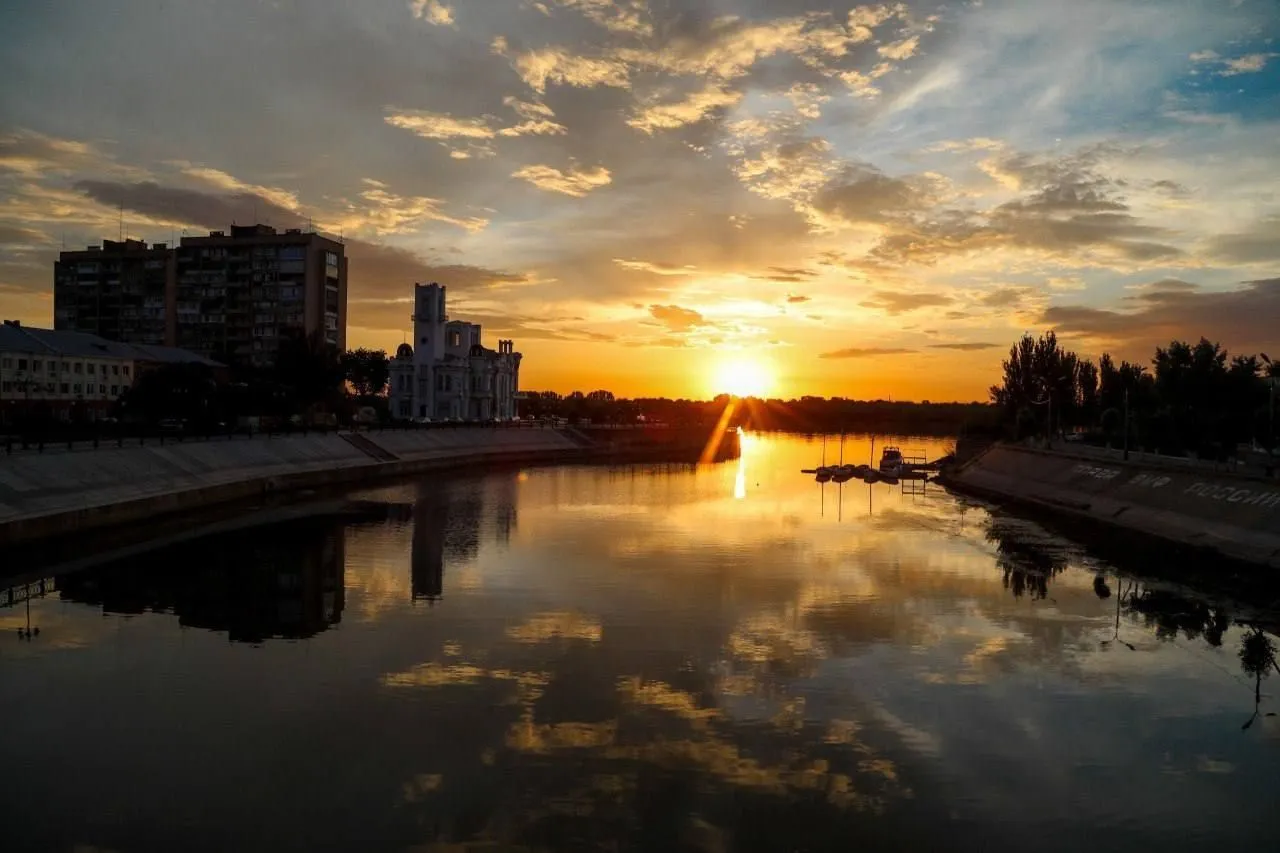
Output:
x,y
650,196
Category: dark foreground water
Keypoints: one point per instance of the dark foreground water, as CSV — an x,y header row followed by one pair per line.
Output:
x,y
637,659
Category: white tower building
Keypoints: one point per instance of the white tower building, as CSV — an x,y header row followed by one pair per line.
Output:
x,y
447,373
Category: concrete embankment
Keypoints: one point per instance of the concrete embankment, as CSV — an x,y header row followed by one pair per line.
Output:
x,y
54,494
1237,517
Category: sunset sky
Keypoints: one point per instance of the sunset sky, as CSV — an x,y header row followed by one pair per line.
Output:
x,y
863,200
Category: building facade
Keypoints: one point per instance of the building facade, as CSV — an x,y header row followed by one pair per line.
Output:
x,y
232,297
121,290
72,375
240,295
447,374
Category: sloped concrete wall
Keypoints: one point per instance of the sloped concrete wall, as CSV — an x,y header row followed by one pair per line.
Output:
x,y
50,494
1238,517
420,444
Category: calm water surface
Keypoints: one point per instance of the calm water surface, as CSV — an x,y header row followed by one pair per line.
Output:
x,y
649,658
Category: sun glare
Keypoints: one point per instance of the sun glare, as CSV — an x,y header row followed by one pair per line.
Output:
x,y
742,378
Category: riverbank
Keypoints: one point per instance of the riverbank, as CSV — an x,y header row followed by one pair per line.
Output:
x,y
1233,516
56,494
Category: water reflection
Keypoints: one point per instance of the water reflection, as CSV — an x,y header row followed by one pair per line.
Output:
x,y
643,658
288,584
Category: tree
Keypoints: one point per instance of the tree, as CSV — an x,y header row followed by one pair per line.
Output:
x,y
1257,658
1087,388
367,371
1196,397
186,391
1041,383
310,368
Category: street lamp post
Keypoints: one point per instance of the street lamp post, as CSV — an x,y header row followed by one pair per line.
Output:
x,y
1271,404
1126,424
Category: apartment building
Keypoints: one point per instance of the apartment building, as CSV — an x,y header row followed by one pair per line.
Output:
x,y
122,290
231,296
240,294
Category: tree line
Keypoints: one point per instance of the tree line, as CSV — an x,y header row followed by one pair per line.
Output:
x,y
1194,398
805,414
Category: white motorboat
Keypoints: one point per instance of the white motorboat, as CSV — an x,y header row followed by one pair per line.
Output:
x,y
891,462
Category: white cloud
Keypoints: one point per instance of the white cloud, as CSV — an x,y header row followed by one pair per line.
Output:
x,y
432,11
618,16
655,268
1248,64
224,181
692,108
385,212
576,182
430,125
900,50
557,65
442,126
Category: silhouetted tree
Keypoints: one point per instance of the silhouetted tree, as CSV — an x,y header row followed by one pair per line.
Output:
x,y
1195,399
310,369
187,391
367,371
1257,658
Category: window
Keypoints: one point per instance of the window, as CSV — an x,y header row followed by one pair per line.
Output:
x,y
66,389
102,389
22,364
115,390
37,366
115,370
422,341
455,339
89,369
331,259
6,363
77,387
125,369
78,368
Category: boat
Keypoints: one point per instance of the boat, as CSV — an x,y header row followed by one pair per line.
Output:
x,y
891,462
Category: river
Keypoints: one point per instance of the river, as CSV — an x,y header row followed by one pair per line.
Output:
x,y
729,657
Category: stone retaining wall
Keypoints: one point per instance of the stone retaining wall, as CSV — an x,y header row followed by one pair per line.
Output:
x,y
1237,517
56,494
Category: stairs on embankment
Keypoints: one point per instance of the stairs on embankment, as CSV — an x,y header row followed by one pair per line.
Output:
x,y
367,447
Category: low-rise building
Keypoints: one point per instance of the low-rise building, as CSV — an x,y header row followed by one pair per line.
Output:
x,y
447,373
72,375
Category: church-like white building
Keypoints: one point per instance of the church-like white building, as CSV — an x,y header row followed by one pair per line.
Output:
x,y
447,374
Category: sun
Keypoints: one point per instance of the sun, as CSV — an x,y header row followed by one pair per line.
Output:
x,y
742,377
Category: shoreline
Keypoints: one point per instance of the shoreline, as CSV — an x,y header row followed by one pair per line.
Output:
x,y
75,493
1222,514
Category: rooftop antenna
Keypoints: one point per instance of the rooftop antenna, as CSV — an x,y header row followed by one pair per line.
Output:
x,y
120,236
